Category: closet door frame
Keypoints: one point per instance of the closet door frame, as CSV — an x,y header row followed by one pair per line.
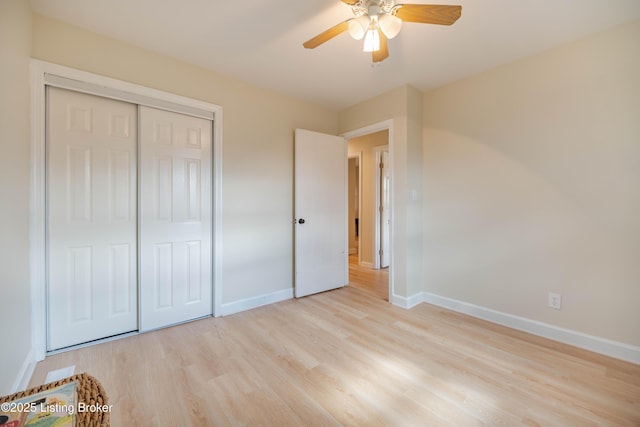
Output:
x,y
47,74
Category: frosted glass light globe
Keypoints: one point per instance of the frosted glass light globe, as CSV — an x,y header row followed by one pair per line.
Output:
x,y
390,25
358,27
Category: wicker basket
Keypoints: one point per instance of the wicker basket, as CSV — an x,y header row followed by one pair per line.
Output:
x,y
89,391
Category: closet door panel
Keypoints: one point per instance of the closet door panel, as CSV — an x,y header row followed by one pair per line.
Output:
x,y
175,218
91,219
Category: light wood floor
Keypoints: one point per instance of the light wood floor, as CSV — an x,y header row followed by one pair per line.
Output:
x,y
374,281
347,357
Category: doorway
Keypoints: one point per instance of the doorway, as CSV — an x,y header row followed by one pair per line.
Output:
x,y
369,212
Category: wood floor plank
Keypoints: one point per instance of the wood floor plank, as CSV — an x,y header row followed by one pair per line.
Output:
x,y
348,357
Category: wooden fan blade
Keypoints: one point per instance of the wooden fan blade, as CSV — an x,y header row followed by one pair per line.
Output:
x,y
327,35
383,53
429,13
350,2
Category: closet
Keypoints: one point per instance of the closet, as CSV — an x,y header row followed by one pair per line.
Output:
x,y
128,219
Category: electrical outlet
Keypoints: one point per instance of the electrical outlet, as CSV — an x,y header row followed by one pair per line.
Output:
x,y
555,301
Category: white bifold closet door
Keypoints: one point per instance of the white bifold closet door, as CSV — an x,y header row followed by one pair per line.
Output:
x,y
129,218
91,196
175,218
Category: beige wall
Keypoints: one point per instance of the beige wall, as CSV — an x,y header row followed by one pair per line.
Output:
x,y
413,192
365,145
15,323
532,185
403,107
258,148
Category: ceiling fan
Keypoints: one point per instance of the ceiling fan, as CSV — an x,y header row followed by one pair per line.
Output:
x,y
379,20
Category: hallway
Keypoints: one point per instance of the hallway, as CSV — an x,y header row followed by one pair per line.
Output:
x,y
373,281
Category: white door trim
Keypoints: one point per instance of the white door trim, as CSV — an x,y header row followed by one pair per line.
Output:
x,y
358,156
377,127
377,229
41,75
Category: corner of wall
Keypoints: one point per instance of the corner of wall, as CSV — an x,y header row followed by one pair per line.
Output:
x,y
24,373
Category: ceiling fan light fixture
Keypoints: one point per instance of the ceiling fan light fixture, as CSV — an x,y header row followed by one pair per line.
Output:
x,y
377,21
358,27
390,25
372,40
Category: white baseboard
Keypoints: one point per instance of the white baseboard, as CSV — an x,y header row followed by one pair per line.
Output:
x,y
255,302
405,302
604,346
24,374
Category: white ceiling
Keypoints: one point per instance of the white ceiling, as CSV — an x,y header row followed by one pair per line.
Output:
x,y
260,41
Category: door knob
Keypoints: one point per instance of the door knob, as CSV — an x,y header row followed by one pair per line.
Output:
x,y
301,221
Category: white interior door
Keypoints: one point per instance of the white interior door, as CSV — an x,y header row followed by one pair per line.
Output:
x,y
321,236
385,209
175,218
91,193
